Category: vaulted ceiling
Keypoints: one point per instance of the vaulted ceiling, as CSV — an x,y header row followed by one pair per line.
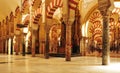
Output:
x,y
6,6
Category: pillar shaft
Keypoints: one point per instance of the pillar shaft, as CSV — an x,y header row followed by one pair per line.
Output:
x,y
33,42
47,28
42,39
63,34
17,45
47,46
105,38
68,43
103,6
46,51
23,46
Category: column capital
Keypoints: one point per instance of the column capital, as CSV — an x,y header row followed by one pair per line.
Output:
x,y
103,6
67,21
104,12
35,26
65,18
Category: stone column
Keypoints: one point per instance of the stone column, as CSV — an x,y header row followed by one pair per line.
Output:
x,y
63,33
106,44
47,28
11,45
23,46
68,18
1,45
16,45
33,43
34,34
17,41
76,33
68,42
46,51
63,36
103,7
83,46
117,41
42,39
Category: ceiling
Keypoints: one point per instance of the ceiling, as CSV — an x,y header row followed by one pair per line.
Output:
x,y
6,6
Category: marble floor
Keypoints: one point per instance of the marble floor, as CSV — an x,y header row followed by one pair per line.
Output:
x,y
81,64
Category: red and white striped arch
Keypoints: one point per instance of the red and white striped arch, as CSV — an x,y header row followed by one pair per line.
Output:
x,y
25,6
26,19
59,3
95,16
116,10
98,38
98,35
96,24
52,7
73,4
37,15
35,18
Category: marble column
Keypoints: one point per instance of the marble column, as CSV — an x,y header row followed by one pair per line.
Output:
x,y
105,39
17,45
46,51
11,46
33,42
68,42
103,6
83,46
42,39
63,36
47,28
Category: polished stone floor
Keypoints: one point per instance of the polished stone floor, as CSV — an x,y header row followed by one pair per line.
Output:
x,y
81,64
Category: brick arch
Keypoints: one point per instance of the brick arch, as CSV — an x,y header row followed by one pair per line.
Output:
x,y
96,26
11,22
17,17
3,27
54,35
7,25
6,21
55,4
36,3
26,20
35,18
95,20
116,10
95,15
37,15
17,10
52,7
98,38
25,6
11,16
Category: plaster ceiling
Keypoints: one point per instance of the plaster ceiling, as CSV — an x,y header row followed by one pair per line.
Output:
x,y
6,6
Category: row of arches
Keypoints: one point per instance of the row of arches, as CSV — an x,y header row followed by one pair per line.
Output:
x,y
93,24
